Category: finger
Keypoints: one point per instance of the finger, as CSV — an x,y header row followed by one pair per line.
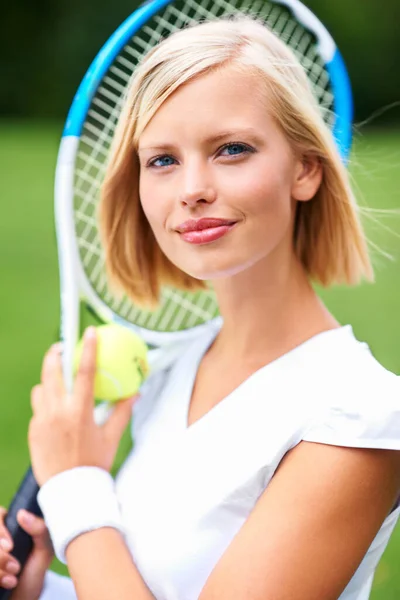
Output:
x,y
37,529
52,375
8,582
54,350
84,381
36,398
6,542
8,564
119,419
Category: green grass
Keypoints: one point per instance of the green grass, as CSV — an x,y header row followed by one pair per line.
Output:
x,y
29,285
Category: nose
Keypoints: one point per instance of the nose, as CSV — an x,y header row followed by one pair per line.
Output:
x,y
197,187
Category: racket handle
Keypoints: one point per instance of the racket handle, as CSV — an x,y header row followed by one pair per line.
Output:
x,y
26,497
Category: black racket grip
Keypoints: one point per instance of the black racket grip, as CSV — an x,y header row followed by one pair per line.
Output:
x,y
26,497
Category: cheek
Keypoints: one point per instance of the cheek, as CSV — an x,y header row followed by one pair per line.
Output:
x,y
152,204
156,208
264,193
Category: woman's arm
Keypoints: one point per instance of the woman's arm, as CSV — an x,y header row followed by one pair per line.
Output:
x,y
101,567
312,526
304,539
71,456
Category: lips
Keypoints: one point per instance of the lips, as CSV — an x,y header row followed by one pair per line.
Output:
x,y
201,224
204,231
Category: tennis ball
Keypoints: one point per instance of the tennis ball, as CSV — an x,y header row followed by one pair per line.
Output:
x,y
121,362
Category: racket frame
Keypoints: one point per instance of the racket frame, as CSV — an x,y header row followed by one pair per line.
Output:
x,y
75,287
343,102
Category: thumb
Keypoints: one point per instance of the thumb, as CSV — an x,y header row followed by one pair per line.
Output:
x,y
37,529
119,419
30,582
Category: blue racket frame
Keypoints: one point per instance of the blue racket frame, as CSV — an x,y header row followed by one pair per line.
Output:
x,y
342,131
343,98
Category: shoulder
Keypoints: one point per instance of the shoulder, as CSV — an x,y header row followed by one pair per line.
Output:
x,y
350,372
358,403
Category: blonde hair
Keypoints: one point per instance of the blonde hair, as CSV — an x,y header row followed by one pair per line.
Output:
x,y
328,237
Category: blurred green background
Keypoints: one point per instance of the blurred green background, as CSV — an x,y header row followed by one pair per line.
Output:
x,y
46,48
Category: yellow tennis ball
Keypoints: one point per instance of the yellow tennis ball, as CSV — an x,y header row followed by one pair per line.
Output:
x,y
121,362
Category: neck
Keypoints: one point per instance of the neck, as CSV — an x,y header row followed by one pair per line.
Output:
x,y
267,311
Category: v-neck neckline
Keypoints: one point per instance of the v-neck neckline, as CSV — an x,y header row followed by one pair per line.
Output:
x,y
199,350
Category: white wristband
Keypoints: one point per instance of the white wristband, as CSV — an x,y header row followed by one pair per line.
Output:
x,y
77,501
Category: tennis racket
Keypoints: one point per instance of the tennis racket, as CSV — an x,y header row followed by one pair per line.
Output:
x,y
80,169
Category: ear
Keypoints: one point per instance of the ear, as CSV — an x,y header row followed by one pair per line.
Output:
x,y
307,178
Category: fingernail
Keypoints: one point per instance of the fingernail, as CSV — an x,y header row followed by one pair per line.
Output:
x,y
90,333
57,347
5,544
12,567
9,581
27,518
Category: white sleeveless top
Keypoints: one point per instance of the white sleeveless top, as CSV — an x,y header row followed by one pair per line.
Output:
x,y
184,492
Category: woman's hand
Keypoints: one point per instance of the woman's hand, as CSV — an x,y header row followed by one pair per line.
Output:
x,y
62,432
29,585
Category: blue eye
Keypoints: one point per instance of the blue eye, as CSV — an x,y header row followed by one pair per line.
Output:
x,y
236,149
162,161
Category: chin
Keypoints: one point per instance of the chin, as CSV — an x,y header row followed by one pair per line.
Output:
x,y
212,265
213,272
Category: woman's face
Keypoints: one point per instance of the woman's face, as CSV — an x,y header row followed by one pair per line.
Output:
x,y
212,151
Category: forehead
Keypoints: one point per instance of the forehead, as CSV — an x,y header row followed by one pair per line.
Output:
x,y
225,98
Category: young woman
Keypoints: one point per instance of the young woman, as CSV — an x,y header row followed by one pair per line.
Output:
x,y
266,461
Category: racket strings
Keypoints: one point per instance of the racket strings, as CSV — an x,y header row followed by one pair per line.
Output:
x,y
178,310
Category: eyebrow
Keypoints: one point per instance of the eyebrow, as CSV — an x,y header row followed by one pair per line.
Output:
x,y
253,133
232,133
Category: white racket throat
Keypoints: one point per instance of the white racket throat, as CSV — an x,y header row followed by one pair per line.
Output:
x,y
87,137
80,170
